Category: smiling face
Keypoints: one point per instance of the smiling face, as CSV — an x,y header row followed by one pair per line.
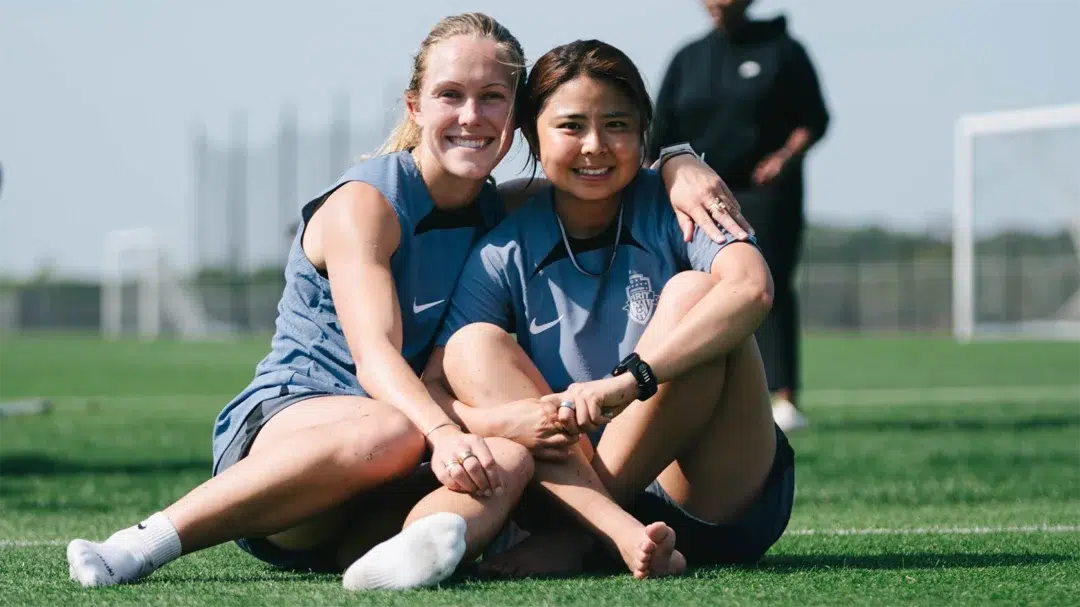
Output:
x,y
464,107
589,139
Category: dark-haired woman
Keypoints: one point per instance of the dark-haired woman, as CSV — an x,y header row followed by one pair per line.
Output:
x,y
624,327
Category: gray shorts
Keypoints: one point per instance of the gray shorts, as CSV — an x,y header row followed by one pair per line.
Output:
x,y
740,542
245,435
261,548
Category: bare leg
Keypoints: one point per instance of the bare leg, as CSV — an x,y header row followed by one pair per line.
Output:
x,y
439,528
415,498
322,484
486,368
305,463
708,435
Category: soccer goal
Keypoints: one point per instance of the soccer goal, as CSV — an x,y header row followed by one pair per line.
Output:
x,y
142,295
1016,226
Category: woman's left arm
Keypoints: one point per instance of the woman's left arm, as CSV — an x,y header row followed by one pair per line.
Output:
x,y
802,88
702,199
811,113
698,195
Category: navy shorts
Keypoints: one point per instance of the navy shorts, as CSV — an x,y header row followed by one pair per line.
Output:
x,y
258,547
740,542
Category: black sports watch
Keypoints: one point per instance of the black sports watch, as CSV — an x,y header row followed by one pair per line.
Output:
x,y
642,372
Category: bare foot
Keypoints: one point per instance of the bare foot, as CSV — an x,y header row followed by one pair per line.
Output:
x,y
550,553
655,555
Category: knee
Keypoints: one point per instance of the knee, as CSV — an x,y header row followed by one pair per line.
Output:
x,y
476,335
464,345
381,436
686,289
515,463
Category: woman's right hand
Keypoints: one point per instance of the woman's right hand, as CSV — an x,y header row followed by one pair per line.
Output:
x,y
462,462
534,424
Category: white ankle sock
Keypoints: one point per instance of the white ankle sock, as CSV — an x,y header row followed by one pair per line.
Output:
x,y
424,554
158,538
128,555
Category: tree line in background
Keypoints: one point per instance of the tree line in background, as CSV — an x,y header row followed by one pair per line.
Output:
x,y
823,245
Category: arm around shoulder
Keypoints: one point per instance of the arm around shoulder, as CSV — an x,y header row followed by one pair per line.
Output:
x,y
807,94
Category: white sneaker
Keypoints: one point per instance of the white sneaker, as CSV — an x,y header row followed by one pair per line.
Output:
x,y
787,416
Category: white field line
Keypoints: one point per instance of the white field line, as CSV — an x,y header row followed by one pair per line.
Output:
x,y
1022,529
942,396
31,543
956,395
940,530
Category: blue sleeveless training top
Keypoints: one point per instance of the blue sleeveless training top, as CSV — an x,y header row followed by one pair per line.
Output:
x,y
308,351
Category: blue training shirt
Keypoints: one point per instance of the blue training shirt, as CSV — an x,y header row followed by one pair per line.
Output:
x,y
573,326
308,351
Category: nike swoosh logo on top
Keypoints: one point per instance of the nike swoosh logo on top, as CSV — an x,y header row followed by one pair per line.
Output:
x,y
536,329
420,308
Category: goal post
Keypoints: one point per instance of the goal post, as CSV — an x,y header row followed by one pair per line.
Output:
x,y
1043,166
136,250
142,294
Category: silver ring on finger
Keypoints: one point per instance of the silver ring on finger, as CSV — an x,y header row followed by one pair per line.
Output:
x,y
568,404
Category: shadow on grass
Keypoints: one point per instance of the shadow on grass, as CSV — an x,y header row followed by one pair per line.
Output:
x,y
799,564
471,578
914,560
268,576
45,465
1042,422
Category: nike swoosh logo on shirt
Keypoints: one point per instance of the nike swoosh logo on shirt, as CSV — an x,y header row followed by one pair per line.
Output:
x,y
536,329
420,308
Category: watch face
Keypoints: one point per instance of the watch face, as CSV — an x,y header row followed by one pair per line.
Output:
x,y
643,369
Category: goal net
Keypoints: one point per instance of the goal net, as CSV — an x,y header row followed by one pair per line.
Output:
x,y
141,294
1016,228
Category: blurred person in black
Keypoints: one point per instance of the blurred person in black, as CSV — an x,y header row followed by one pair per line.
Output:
x,y
747,98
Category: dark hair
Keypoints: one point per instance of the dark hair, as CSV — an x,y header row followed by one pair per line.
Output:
x,y
592,58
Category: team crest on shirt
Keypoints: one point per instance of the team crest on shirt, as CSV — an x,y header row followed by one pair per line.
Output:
x,y
640,298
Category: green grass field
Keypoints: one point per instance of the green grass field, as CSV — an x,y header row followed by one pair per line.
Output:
x,y
933,473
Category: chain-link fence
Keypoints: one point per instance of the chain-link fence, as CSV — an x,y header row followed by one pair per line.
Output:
x,y
898,295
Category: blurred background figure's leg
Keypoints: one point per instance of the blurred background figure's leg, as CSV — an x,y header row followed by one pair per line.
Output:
x,y
777,217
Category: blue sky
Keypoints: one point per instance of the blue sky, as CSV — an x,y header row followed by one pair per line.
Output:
x,y
98,98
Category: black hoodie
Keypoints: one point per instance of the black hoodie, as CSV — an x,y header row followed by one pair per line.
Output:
x,y
736,97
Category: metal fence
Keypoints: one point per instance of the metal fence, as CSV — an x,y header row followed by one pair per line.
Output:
x,y
905,295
